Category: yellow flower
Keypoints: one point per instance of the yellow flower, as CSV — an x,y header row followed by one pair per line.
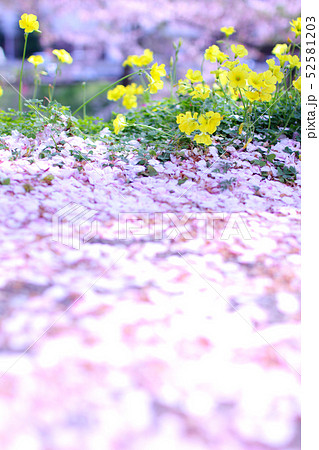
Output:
x,y
201,91
130,101
255,80
222,77
283,59
294,61
29,23
221,57
116,93
233,93
269,80
296,26
203,138
211,53
228,30
63,56
231,64
187,123
158,71
194,76
252,96
139,90
264,96
142,60
280,49
154,85
119,123
131,89
209,122
239,50
275,70
237,77
184,86
36,60
1,91
297,84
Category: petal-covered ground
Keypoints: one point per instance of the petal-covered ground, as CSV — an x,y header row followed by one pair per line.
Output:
x,y
148,312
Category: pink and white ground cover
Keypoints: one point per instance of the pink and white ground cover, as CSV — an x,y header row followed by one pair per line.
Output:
x,y
169,337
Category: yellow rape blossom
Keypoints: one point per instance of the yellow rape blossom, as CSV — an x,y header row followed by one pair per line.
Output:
x,y
119,123
187,124
296,26
1,91
228,31
29,23
297,84
36,60
63,56
239,50
194,76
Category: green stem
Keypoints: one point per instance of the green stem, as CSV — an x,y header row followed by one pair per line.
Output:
x,y
51,92
36,81
84,97
104,90
281,131
152,128
20,83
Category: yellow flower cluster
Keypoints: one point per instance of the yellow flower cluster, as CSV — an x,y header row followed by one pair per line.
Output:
x,y
29,23
129,94
228,31
155,82
36,60
63,56
296,26
263,84
205,123
214,54
297,84
1,91
119,123
140,61
194,76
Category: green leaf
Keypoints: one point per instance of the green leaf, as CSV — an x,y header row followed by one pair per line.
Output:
x,y
271,157
151,171
182,181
